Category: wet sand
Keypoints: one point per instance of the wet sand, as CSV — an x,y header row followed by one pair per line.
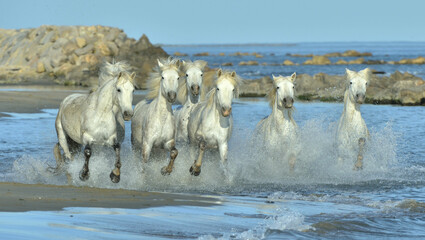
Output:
x,y
32,99
17,197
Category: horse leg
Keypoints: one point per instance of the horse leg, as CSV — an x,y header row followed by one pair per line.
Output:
x,y
84,173
292,159
115,174
195,169
173,154
223,149
359,163
146,151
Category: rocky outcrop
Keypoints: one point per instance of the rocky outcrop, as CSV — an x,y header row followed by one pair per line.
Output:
x,y
318,60
70,55
398,88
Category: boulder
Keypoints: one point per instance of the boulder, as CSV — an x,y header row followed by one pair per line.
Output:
x,y
288,63
40,67
341,62
81,42
248,63
202,54
318,60
227,64
354,53
179,54
356,61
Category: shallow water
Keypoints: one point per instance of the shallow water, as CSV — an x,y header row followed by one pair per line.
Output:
x,y
261,198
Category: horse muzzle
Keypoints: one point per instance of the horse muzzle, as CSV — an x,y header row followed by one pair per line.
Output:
x,y
171,96
288,102
194,89
225,112
127,115
360,98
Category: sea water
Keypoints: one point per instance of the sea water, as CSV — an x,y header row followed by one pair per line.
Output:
x,y
259,198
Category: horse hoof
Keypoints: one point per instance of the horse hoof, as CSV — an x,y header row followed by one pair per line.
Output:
x,y
114,178
193,172
164,171
84,176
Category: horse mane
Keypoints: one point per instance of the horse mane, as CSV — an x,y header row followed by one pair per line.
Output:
x,y
109,71
182,92
235,80
154,80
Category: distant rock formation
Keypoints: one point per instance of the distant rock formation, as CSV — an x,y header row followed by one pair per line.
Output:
x,y
71,55
398,88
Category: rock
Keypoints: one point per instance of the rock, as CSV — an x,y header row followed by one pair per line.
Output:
x,y
81,42
318,60
202,54
227,64
87,49
334,54
239,54
288,63
248,63
40,67
257,55
356,61
418,60
354,53
179,54
221,54
341,62
61,51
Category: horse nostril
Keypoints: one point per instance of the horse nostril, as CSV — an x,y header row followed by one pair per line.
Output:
x,y
284,100
357,95
292,100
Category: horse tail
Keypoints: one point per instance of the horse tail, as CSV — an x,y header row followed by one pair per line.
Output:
x,y
58,158
110,71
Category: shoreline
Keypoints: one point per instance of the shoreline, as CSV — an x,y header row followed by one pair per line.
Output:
x,y
19,197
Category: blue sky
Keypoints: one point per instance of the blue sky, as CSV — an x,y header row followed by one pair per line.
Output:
x,y
230,21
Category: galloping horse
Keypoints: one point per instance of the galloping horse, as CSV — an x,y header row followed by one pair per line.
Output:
x,y
153,124
210,123
96,118
188,95
279,131
352,131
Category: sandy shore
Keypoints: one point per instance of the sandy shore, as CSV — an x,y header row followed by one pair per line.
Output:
x,y
16,197
31,99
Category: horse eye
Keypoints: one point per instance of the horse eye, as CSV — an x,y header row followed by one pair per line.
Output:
x,y
162,78
277,87
293,87
187,75
233,89
119,90
178,78
218,89
202,74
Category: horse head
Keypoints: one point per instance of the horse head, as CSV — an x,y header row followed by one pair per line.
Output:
x,y
357,84
124,92
227,87
194,73
169,79
283,91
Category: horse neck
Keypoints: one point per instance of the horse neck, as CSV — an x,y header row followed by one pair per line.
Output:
x,y
351,108
282,116
106,97
161,102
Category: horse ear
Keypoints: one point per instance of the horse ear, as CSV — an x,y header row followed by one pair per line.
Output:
x,y
160,64
350,73
366,72
233,74
178,63
219,72
133,75
201,64
119,75
273,76
293,76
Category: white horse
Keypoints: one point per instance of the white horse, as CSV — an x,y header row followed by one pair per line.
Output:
x,y
96,118
210,123
352,131
153,124
279,131
188,95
